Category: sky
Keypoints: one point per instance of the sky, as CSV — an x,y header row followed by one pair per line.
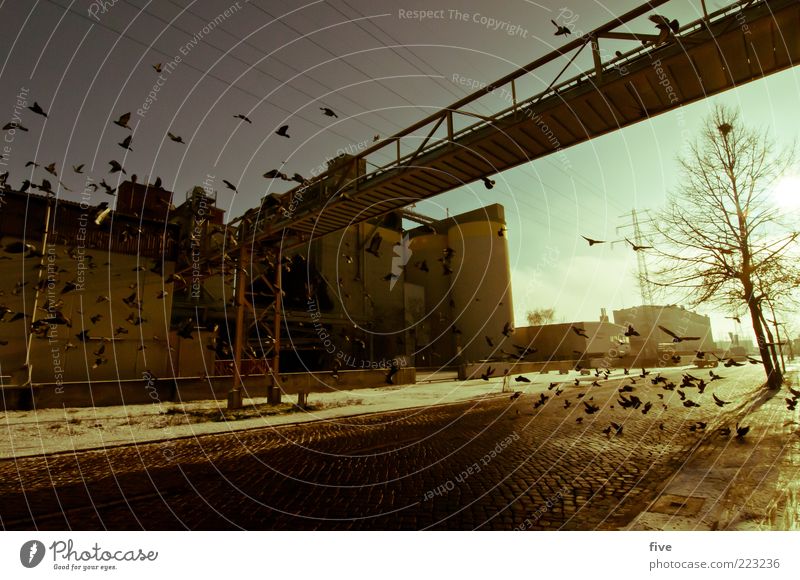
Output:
x,y
380,66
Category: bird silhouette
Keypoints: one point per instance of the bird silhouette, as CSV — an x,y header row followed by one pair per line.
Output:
x,y
328,112
741,431
638,248
229,185
243,118
487,183
732,363
126,143
521,379
37,109
508,330
631,332
14,125
283,131
579,331
560,30
719,402
115,167
176,138
516,395
157,67
489,372
541,401
675,337
275,174
123,121
665,26
592,242
590,409
714,377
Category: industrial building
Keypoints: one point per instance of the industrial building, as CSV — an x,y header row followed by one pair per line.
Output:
x,y
578,341
85,288
653,343
360,297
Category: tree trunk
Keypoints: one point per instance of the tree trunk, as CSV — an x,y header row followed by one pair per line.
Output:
x,y
771,339
774,377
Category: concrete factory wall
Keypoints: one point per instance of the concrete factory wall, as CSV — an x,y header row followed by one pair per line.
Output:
x,y
110,275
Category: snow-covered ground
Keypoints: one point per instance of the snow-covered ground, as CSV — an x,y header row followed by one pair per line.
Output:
x,y
68,429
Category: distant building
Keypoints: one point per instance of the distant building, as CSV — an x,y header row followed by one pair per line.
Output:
x,y
560,341
646,320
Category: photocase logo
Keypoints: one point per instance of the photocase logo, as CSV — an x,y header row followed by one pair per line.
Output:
x,y
31,553
402,254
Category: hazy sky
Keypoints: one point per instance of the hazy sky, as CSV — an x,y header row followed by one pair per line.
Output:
x,y
380,69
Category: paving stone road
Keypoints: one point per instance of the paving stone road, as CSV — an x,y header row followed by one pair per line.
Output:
x,y
497,464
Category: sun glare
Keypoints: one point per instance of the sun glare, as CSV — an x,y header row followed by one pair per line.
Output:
x,y
787,192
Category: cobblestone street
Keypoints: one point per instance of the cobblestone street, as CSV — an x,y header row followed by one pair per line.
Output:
x,y
497,464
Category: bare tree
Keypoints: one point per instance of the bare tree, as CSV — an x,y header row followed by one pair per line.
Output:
x,y
540,316
719,239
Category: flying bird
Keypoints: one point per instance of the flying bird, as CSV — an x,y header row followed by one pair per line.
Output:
x,y
593,242
488,183
123,121
243,118
665,26
675,337
37,109
631,332
579,331
521,379
719,402
176,138
13,125
283,131
126,143
274,174
561,30
229,185
157,67
115,167
328,112
638,248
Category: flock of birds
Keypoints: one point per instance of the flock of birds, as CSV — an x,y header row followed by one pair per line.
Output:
x,y
666,30
53,307
630,393
115,167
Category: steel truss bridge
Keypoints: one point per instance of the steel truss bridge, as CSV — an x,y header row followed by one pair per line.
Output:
x,y
744,41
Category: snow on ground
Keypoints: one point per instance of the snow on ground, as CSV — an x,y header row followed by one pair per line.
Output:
x,y
40,431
